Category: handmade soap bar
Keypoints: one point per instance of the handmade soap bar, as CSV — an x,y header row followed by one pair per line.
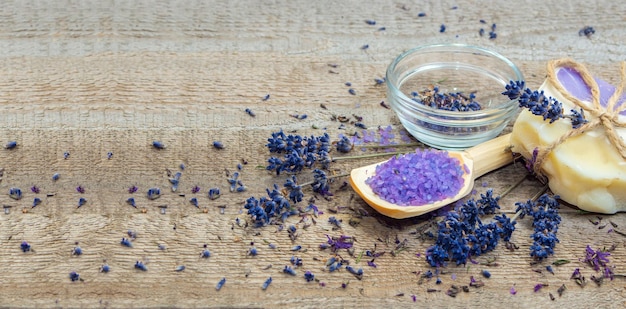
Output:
x,y
585,170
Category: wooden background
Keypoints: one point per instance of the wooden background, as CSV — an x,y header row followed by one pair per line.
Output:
x,y
89,77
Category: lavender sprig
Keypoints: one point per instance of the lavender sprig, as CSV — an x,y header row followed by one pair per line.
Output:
x,y
263,210
541,105
546,221
462,234
299,152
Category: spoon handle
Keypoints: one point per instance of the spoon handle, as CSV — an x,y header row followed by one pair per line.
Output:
x,y
491,155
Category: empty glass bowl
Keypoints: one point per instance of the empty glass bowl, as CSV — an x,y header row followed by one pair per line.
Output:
x,y
463,70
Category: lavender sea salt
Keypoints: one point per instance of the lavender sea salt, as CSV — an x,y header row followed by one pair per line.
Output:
x,y
419,178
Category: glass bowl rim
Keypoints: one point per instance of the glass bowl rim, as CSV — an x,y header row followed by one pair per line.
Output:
x,y
391,86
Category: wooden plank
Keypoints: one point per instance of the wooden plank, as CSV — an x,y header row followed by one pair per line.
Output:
x,y
93,77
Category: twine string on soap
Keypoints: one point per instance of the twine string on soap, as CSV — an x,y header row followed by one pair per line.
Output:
x,y
607,118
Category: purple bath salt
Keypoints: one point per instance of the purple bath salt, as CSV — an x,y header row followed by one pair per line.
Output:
x,y
419,178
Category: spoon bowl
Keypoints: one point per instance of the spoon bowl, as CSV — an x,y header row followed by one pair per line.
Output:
x,y
477,160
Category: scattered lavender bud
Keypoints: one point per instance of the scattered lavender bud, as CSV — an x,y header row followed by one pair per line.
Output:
x,y
442,28
132,189
296,261
308,276
66,155
299,117
139,265
538,287
25,246
158,145
34,189
214,193
105,268
154,193
266,284
252,251
80,189
296,248
233,181
179,268
36,202
15,193
109,155
77,251
370,22
126,242
218,145
194,202
220,284
334,221
131,201
195,189
599,260
486,273
356,272
352,91
288,270
586,31
360,125
366,46
11,145
349,84
56,176
266,97
74,276
205,254
81,201
250,112
239,166
421,14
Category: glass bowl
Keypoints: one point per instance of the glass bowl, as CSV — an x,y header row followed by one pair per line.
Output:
x,y
453,68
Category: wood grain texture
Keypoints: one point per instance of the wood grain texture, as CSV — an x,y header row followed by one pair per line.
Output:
x,y
89,77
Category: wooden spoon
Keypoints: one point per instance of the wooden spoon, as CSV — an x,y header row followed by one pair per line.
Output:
x,y
479,160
